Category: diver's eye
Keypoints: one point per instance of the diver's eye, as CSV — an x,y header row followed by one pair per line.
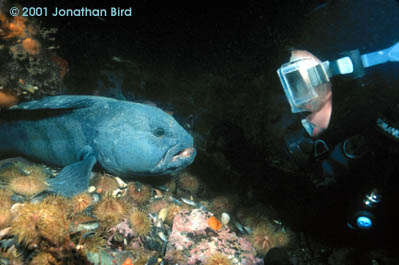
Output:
x,y
158,132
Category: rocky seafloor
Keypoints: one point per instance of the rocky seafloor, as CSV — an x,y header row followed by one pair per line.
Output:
x,y
115,222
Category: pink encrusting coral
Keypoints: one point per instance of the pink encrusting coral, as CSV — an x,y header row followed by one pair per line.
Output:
x,y
191,232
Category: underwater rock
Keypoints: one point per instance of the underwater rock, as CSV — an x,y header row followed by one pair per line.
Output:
x,y
191,232
31,67
277,256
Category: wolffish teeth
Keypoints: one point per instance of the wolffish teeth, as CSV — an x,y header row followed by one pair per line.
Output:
x,y
185,153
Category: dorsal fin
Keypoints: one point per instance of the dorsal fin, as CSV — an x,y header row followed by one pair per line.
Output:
x,y
45,108
34,114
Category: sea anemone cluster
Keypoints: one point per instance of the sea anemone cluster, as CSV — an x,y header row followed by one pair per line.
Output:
x,y
105,184
5,208
110,211
43,258
221,204
156,205
140,222
173,210
40,220
12,256
188,182
80,202
266,236
138,193
218,259
29,182
55,228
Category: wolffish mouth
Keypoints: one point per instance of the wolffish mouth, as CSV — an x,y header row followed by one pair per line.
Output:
x,y
176,158
185,153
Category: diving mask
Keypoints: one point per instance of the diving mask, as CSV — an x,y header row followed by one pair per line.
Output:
x,y
306,80
303,77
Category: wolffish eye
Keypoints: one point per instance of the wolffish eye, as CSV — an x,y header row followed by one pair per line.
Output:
x,y
158,132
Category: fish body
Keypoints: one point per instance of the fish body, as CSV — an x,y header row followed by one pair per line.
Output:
x,y
77,132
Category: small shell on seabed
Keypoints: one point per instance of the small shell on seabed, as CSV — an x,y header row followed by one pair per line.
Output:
x,y
15,207
243,229
163,188
225,218
162,236
87,226
91,189
162,214
95,197
4,232
119,193
121,183
174,200
189,202
157,194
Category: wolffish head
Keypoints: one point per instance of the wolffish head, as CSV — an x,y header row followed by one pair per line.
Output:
x,y
139,139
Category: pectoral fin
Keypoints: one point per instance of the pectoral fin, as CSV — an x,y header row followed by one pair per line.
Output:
x,y
73,179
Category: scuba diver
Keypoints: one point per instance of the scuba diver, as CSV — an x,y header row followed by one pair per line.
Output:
x,y
373,153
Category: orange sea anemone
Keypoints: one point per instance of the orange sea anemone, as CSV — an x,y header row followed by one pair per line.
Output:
x,y
31,46
81,201
214,223
128,261
13,29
